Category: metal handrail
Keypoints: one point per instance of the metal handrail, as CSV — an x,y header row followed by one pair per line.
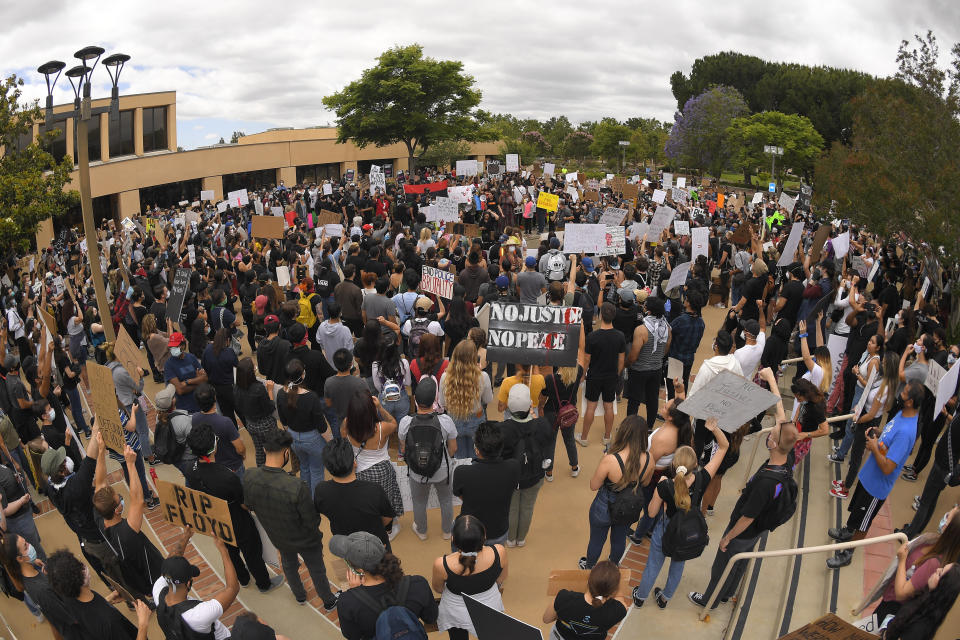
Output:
x,y
756,445
748,555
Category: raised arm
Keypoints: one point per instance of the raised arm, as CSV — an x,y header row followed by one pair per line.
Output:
x,y
804,347
722,445
135,510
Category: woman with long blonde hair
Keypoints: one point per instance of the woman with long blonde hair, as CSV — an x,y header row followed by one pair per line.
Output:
x,y
559,392
465,392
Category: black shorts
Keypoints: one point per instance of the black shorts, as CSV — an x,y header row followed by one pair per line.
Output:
x,y
595,388
863,509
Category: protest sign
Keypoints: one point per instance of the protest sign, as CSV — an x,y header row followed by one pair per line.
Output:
x,y
679,195
328,217
613,216
946,388
731,399
935,374
283,276
573,193
571,177
873,270
437,282
276,211
667,182
206,514
129,355
548,168
591,195
513,162
104,400
836,345
757,197
493,167
350,175
191,217
466,168
790,248
639,229
819,239
924,288
674,367
267,227
615,242
821,307
192,253
178,292
786,202
469,230
207,194
49,322
829,627
222,206
238,198
531,334
493,623
659,196
332,230
446,210
681,183
327,189
548,201
378,181
699,242
743,234
630,191
662,218
841,245
461,195
678,276
45,235
858,264
681,227
584,238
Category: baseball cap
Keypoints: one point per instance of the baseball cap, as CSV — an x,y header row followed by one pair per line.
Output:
x,y
530,261
503,282
626,295
503,237
361,549
518,401
245,628
176,339
368,227
178,569
426,392
587,264
423,302
164,398
52,459
271,319
554,242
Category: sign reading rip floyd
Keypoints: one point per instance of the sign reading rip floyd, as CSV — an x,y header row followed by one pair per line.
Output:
x,y
529,334
207,514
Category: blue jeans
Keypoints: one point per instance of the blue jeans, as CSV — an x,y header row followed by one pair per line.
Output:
x,y
399,409
77,410
465,430
655,562
333,420
600,525
850,431
308,445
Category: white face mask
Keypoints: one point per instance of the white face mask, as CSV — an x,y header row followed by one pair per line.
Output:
x,y
943,522
69,462
51,414
951,358
917,348
175,352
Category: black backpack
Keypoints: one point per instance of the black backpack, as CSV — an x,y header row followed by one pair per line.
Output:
x,y
528,453
686,534
629,502
170,619
784,504
424,448
165,444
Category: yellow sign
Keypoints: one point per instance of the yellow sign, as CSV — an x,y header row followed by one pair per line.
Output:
x,y
548,201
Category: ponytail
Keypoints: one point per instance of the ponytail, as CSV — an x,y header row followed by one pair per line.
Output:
x,y
681,493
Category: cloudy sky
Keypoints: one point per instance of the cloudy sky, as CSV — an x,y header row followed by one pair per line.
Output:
x,y
250,66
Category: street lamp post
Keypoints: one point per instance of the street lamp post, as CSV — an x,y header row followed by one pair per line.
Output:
x,y
82,113
774,151
623,154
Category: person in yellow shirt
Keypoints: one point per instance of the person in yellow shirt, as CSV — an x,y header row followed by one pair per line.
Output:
x,y
523,375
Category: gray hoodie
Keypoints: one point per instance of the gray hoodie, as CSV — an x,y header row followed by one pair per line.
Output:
x,y
332,336
127,389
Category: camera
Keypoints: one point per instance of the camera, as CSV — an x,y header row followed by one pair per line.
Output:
x,y
870,307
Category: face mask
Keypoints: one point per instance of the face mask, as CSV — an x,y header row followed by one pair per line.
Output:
x,y
122,504
951,358
31,553
175,352
943,522
917,348
86,576
51,414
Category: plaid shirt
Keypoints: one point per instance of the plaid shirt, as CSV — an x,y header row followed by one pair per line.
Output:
x,y
687,331
283,506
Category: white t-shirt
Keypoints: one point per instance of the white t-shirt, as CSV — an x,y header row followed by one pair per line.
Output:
x,y
749,356
434,328
449,433
202,616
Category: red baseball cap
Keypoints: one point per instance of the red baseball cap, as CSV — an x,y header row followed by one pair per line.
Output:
x,y
176,339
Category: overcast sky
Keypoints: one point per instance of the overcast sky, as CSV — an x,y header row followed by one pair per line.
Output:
x,y
250,66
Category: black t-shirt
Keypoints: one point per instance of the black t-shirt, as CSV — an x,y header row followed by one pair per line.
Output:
x,y
792,292
40,591
756,498
226,433
860,334
890,297
752,291
97,619
354,506
11,491
604,347
898,341
665,489
359,622
140,560
220,482
557,392
486,487
306,416
577,620
810,415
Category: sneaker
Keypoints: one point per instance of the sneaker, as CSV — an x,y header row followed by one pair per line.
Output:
x,y
835,457
302,602
581,441
902,529
549,476
152,503
840,534
635,539
574,472
510,544
710,511
330,606
39,616
836,484
395,531
840,492
422,536
521,543
446,536
661,599
637,602
275,582
840,559
582,563
696,598
909,475
606,441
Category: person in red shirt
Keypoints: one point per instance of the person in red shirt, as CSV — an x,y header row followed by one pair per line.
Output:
x,y
383,206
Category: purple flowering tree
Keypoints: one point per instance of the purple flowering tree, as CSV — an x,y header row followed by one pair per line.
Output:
x,y
698,136
577,144
536,138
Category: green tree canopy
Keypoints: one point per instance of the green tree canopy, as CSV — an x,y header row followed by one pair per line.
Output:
x,y
410,99
31,180
606,139
235,137
698,136
444,153
801,142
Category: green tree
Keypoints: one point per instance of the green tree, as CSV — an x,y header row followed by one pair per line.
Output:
x,y
577,144
556,130
801,143
606,140
648,140
221,141
698,135
410,99
235,137
31,181
444,153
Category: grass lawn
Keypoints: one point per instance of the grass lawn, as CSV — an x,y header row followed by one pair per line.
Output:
x,y
737,179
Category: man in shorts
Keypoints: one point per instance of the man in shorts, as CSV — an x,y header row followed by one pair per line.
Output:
x,y
605,350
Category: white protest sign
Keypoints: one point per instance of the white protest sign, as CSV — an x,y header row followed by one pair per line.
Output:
x,y
378,181
858,410
437,282
662,218
615,242
572,176
613,216
935,373
681,183
667,181
679,195
678,276
790,248
841,245
645,182
584,238
258,207
193,254
787,202
513,162
466,168
573,193
946,388
681,227
222,206
873,270
517,195
659,196
276,211
206,194
699,242
731,399
674,366
548,168
327,189
639,229
238,198
446,210
332,230
925,288
757,197
836,345
460,195
283,276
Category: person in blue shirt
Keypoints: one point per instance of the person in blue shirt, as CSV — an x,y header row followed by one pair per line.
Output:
x,y
888,453
184,371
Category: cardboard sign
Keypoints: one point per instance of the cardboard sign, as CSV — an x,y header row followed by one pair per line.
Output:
x,y
829,627
681,227
121,591
731,399
437,282
674,366
104,399
207,514
591,195
327,217
513,162
490,623
49,322
790,248
445,210
45,235
631,191
935,374
946,388
529,334
819,239
469,230
548,201
268,227
129,356
613,216
178,292
743,234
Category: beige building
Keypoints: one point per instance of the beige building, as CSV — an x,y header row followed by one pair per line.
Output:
x,y
134,163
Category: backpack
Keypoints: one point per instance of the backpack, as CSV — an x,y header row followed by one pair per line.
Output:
x,y
170,619
165,443
390,390
628,503
567,413
529,454
686,534
307,316
556,265
394,620
784,504
424,448
434,375
418,327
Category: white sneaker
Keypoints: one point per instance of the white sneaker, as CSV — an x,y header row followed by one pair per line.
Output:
x,y
509,544
581,441
574,472
394,531
422,536
446,536
548,477
521,543
606,441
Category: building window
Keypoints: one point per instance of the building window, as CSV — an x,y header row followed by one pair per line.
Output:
x,y
121,135
170,194
317,173
154,129
57,146
250,180
93,139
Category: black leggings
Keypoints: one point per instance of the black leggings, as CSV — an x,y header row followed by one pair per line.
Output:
x,y
456,633
643,388
929,430
856,451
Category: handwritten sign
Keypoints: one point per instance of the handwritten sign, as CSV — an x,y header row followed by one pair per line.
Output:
x,y
699,242
615,242
613,216
659,196
731,399
445,210
267,227
238,198
631,191
935,373
461,195
104,399
467,168
437,282
662,218
129,356
207,514
819,239
786,202
378,180
681,227
548,201
678,276
829,627
178,292
584,238
513,162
